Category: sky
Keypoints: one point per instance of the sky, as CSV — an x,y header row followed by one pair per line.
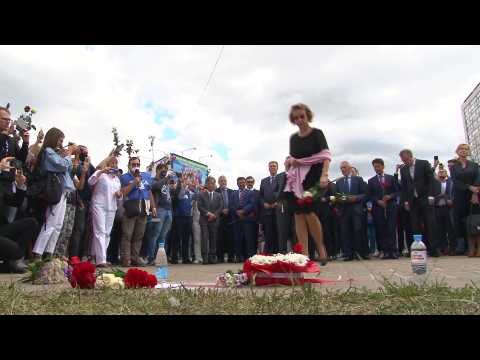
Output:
x,y
370,101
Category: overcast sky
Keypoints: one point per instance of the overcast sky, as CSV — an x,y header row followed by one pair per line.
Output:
x,y
370,101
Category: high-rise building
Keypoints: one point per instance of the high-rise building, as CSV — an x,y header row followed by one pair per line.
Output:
x,y
471,122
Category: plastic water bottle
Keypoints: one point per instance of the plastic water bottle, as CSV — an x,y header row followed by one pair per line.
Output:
x,y
418,253
161,261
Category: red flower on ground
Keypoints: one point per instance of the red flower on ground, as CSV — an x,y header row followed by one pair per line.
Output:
x,y
136,278
75,260
83,275
298,248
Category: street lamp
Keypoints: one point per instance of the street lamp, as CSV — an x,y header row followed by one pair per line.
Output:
x,y
193,148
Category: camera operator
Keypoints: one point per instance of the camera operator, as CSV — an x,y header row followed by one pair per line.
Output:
x,y
8,144
83,169
14,237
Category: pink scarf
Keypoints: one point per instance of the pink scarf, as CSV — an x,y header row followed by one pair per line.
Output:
x,y
296,175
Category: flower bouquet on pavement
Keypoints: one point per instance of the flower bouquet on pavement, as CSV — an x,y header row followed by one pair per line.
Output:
x,y
231,280
279,269
47,272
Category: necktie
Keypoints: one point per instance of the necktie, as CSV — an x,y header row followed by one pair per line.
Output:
x,y
225,198
347,179
242,197
382,180
271,180
211,196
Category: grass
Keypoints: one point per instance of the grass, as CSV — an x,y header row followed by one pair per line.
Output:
x,y
393,299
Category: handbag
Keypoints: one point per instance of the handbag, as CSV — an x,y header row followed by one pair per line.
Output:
x,y
473,223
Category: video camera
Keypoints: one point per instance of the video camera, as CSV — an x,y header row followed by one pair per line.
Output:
x,y
24,121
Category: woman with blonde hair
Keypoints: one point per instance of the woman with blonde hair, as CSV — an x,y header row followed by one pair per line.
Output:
x,y
106,192
466,178
308,163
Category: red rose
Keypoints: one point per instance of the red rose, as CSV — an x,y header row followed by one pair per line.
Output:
x,y
298,248
75,260
300,202
308,201
136,278
83,275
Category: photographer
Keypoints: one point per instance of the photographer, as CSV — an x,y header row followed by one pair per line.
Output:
x,y
14,237
54,158
158,227
8,144
83,169
106,191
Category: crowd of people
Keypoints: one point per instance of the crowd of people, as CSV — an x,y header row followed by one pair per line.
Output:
x,y
55,203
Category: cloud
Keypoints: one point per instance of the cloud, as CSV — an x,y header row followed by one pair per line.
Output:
x,y
370,101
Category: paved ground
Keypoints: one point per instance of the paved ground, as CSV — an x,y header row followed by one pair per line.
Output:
x,y
456,271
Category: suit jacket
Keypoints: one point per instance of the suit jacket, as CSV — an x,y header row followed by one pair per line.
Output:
x,y
206,205
437,191
254,215
281,183
376,191
268,194
230,193
248,206
422,182
358,188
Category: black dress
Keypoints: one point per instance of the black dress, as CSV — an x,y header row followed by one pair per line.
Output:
x,y
302,147
462,179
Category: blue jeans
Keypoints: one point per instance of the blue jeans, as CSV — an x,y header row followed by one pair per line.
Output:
x,y
157,231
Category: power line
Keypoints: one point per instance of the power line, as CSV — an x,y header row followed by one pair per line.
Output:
x,y
213,71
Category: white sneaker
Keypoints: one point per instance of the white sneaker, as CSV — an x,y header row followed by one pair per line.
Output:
x,y
197,262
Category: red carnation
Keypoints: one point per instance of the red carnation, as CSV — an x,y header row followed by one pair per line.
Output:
x,y
308,201
298,248
136,278
83,275
300,202
74,260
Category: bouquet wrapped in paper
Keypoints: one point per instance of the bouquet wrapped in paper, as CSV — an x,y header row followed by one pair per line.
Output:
x,y
280,269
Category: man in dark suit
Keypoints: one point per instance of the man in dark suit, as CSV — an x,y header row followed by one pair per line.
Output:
x,y
268,189
253,219
225,227
350,213
443,191
283,215
383,191
210,206
15,236
418,198
241,207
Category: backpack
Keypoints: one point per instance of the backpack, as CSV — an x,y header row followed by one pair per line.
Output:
x,y
46,186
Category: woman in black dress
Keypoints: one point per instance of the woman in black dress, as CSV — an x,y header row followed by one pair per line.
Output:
x,y
466,178
305,143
